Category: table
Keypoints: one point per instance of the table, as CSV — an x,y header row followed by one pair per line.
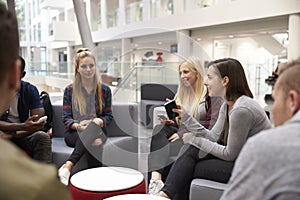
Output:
x,y
136,197
102,182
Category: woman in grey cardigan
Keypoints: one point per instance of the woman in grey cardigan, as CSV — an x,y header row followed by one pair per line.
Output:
x,y
215,150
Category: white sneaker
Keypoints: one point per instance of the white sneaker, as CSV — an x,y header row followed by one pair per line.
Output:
x,y
64,175
155,186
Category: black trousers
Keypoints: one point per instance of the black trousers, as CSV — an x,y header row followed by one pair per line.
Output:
x,y
82,144
192,163
160,149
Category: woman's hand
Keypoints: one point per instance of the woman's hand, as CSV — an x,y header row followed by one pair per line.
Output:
x,y
179,110
173,137
188,137
85,122
169,122
78,127
98,121
164,119
82,125
97,142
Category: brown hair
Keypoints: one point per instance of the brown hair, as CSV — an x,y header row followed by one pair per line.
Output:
x,y
289,79
233,69
9,47
78,97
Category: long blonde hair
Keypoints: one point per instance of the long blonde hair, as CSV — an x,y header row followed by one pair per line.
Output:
x,y
78,99
184,94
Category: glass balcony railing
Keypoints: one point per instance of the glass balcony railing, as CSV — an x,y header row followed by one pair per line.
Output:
x,y
125,79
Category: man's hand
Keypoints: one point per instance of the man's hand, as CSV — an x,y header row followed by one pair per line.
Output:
x,y
5,135
32,125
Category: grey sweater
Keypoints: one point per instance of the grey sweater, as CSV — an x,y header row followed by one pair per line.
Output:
x,y
246,118
268,166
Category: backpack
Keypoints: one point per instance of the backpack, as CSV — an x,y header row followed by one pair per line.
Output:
x,y
45,100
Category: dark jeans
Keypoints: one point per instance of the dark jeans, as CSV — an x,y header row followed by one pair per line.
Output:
x,y
192,163
158,159
82,144
38,143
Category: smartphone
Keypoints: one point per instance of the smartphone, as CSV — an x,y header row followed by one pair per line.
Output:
x,y
42,119
169,106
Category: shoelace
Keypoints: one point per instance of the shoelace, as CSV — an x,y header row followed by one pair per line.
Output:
x,y
154,187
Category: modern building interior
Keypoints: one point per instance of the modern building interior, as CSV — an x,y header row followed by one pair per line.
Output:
x,y
259,34
140,42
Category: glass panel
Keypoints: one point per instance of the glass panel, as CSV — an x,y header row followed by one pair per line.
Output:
x,y
112,13
20,12
134,11
95,15
39,33
61,16
161,8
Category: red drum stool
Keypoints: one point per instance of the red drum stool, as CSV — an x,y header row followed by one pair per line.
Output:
x,y
103,182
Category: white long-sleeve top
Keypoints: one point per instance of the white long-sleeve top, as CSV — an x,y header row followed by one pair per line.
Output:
x,y
246,118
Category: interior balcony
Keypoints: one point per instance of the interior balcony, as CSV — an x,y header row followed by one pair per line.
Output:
x,y
54,4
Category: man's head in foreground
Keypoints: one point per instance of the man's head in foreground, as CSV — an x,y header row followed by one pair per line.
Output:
x,y
286,94
9,51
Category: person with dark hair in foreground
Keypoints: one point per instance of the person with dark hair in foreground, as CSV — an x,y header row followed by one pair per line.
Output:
x,y
269,164
20,177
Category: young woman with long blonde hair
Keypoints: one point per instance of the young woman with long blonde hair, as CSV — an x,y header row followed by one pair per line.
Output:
x,y
86,112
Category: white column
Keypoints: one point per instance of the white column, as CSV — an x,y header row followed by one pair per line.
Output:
x,y
146,10
294,37
88,11
83,25
70,58
184,43
103,14
125,56
122,14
